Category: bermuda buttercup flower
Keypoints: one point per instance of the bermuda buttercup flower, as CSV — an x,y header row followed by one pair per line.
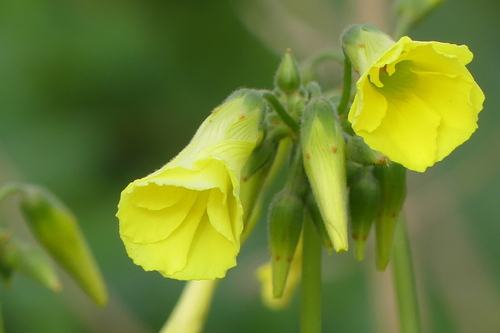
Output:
x,y
185,220
416,101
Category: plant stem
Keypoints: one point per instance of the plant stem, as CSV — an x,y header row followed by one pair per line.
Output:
x,y
346,90
8,189
404,280
310,312
282,112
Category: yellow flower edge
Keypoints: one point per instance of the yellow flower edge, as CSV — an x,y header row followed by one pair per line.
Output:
x,y
185,220
417,102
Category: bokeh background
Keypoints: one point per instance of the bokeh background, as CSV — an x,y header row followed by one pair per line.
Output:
x,y
94,94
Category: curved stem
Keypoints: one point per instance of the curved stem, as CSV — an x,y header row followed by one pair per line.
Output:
x,y
346,90
8,189
404,280
310,310
282,112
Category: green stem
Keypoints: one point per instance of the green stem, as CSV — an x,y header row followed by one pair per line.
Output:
x,y
346,90
10,188
402,26
310,312
404,280
282,112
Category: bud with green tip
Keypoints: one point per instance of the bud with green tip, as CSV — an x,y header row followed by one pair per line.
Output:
x,y
363,44
364,198
357,151
323,150
30,261
393,192
57,230
287,77
285,224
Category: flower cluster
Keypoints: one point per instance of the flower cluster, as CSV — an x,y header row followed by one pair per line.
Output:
x,y
415,102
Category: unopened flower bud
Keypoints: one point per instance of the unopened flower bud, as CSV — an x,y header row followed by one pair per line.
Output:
x,y
324,161
357,151
57,230
393,192
32,262
363,44
285,224
287,77
364,198
264,275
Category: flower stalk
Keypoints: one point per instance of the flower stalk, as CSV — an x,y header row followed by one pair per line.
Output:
x,y
310,307
404,282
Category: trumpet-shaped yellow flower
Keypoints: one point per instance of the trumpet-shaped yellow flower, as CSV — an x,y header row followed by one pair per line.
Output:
x,y
417,102
185,220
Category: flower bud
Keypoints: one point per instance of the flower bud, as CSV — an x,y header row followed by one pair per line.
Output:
x,y
30,261
264,275
363,44
324,161
57,230
285,224
393,192
364,198
357,151
287,77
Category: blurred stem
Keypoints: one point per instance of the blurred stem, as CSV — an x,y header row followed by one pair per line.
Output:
x,y
310,311
346,90
191,310
403,24
287,119
2,330
404,280
9,189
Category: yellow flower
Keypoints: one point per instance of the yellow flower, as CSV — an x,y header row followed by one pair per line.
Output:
x,y
185,220
417,102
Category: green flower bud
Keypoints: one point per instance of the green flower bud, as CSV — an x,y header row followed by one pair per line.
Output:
x,y
30,261
363,44
393,192
57,230
285,224
287,77
324,161
357,151
364,198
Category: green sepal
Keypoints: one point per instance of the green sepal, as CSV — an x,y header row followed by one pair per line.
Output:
x,y
393,193
287,77
364,199
57,230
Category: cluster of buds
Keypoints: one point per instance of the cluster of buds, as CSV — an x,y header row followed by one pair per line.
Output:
x,y
415,102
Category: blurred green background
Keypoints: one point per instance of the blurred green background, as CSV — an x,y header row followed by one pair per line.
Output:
x,y
94,94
